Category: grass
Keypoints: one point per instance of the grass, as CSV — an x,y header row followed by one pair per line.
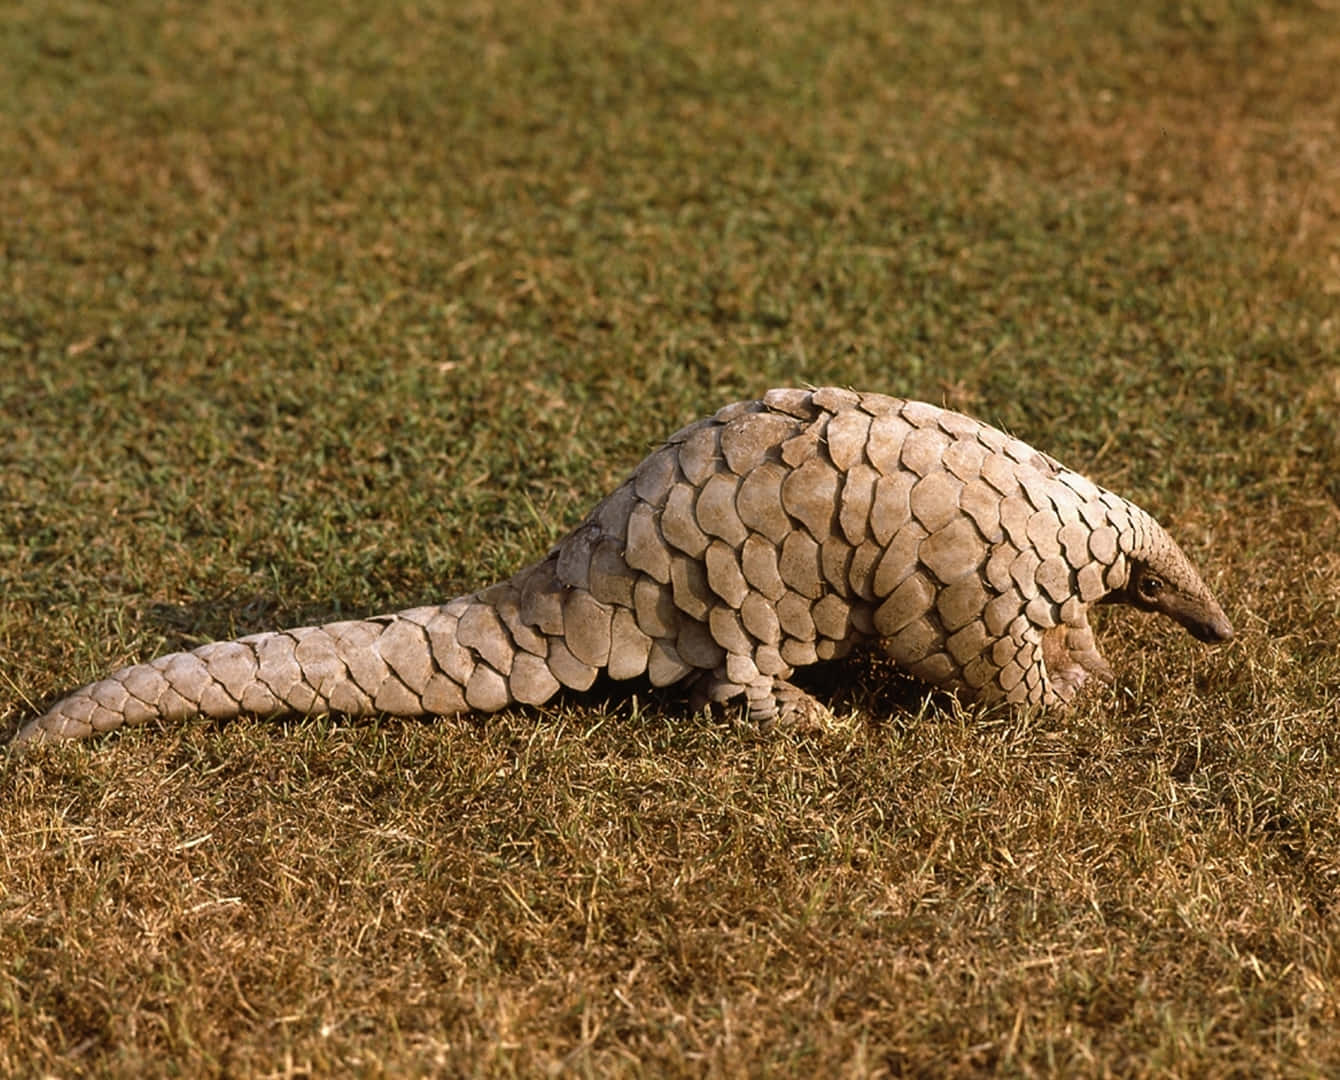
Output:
x,y
313,312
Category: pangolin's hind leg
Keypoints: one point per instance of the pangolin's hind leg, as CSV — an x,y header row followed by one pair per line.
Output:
x,y
771,701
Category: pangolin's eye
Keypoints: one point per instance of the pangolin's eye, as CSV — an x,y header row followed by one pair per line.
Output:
x,y
1150,586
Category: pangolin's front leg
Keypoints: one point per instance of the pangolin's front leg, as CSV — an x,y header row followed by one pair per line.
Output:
x,y
1071,656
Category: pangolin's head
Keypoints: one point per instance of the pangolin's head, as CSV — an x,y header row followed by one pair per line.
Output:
x,y
1161,578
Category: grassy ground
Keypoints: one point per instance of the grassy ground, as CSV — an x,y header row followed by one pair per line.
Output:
x,y
310,311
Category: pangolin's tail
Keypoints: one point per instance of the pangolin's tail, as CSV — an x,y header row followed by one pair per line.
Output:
x,y
479,652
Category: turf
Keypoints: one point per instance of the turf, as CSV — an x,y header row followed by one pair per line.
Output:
x,y
311,311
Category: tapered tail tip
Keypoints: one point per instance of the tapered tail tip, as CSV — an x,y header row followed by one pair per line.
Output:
x,y
42,730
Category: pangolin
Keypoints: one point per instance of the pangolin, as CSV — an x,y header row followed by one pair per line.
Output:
x,y
775,534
